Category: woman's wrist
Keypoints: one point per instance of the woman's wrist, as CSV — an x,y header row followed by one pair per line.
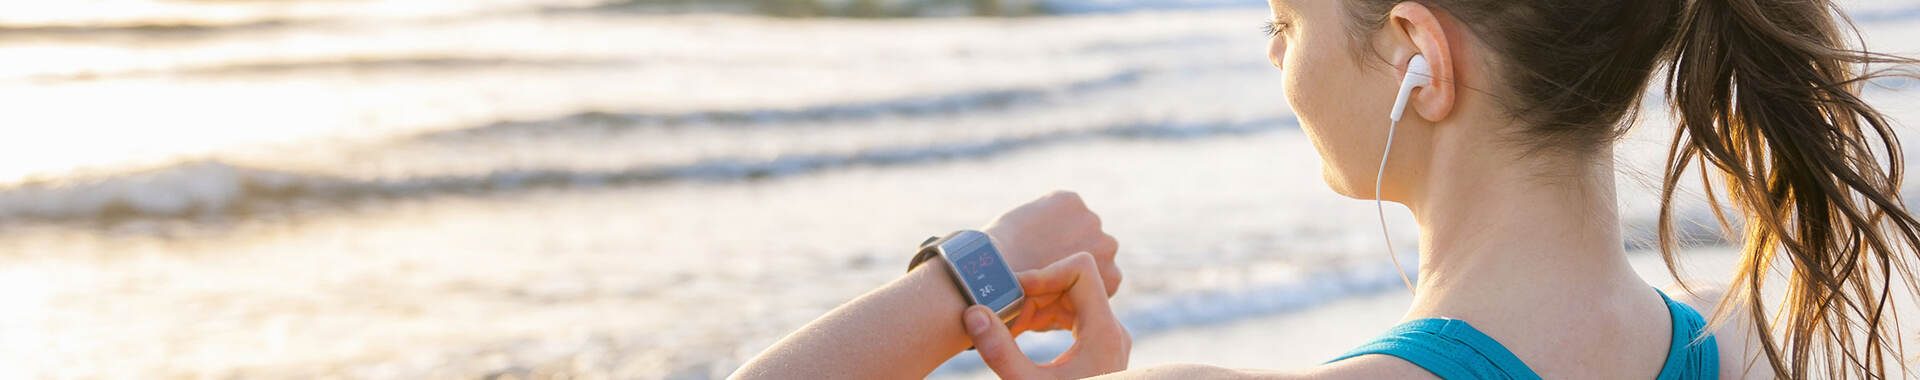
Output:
x,y
937,307
1004,239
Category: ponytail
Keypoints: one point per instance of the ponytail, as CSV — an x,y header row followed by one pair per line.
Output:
x,y
1767,95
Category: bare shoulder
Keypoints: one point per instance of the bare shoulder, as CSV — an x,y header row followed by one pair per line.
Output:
x,y
1736,339
1361,367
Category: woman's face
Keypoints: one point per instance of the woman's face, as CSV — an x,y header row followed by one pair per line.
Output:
x,y
1341,101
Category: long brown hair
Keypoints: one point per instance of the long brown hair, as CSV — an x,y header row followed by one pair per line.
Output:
x,y
1767,94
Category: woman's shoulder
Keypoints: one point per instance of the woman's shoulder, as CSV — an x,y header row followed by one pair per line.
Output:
x,y
1736,339
1359,367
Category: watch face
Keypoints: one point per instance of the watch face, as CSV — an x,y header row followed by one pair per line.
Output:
x,y
986,275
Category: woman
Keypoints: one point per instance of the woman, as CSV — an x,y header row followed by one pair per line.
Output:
x,y
1505,159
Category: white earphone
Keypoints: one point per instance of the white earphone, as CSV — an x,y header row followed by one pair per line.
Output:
x,y
1419,74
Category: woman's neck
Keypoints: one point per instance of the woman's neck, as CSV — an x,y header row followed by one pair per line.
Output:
x,y
1499,237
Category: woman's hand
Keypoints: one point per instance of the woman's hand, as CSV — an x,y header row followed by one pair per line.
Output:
x,y
894,332
1051,228
1069,294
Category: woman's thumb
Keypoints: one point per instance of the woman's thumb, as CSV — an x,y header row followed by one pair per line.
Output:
x,y
996,346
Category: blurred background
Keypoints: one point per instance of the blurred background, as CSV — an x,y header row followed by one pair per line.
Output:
x,y
399,189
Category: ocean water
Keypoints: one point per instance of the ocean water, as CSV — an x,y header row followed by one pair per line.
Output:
x,y
646,189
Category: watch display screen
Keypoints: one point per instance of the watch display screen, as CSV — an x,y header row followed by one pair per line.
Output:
x,y
988,278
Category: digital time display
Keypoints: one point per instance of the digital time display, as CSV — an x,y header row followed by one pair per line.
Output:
x,y
989,280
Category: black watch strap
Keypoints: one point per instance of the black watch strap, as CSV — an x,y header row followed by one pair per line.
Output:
x,y
926,253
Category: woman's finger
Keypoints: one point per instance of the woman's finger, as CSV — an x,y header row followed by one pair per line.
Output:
x,y
1101,343
1111,275
1033,317
1047,318
995,345
1046,307
1106,248
1049,281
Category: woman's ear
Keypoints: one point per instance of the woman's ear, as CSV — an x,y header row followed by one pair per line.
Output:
x,y
1418,30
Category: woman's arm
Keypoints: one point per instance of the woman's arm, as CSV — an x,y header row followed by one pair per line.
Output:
x,y
902,330
910,326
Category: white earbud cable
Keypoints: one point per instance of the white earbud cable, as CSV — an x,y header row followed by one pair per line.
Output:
x,y
1381,209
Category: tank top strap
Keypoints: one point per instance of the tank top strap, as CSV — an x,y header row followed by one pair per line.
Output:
x,y
1452,349
1692,355
1449,348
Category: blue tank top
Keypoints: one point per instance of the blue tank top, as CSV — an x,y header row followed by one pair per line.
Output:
x,y
1453,350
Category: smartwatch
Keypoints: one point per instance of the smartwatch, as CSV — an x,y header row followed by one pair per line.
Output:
x,y
977,268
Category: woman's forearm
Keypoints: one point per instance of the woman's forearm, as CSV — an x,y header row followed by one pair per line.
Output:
x,y
905,329
908,327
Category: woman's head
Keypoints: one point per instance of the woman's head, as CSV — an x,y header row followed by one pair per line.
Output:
x,y
1523,77
1766,94
1342,104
